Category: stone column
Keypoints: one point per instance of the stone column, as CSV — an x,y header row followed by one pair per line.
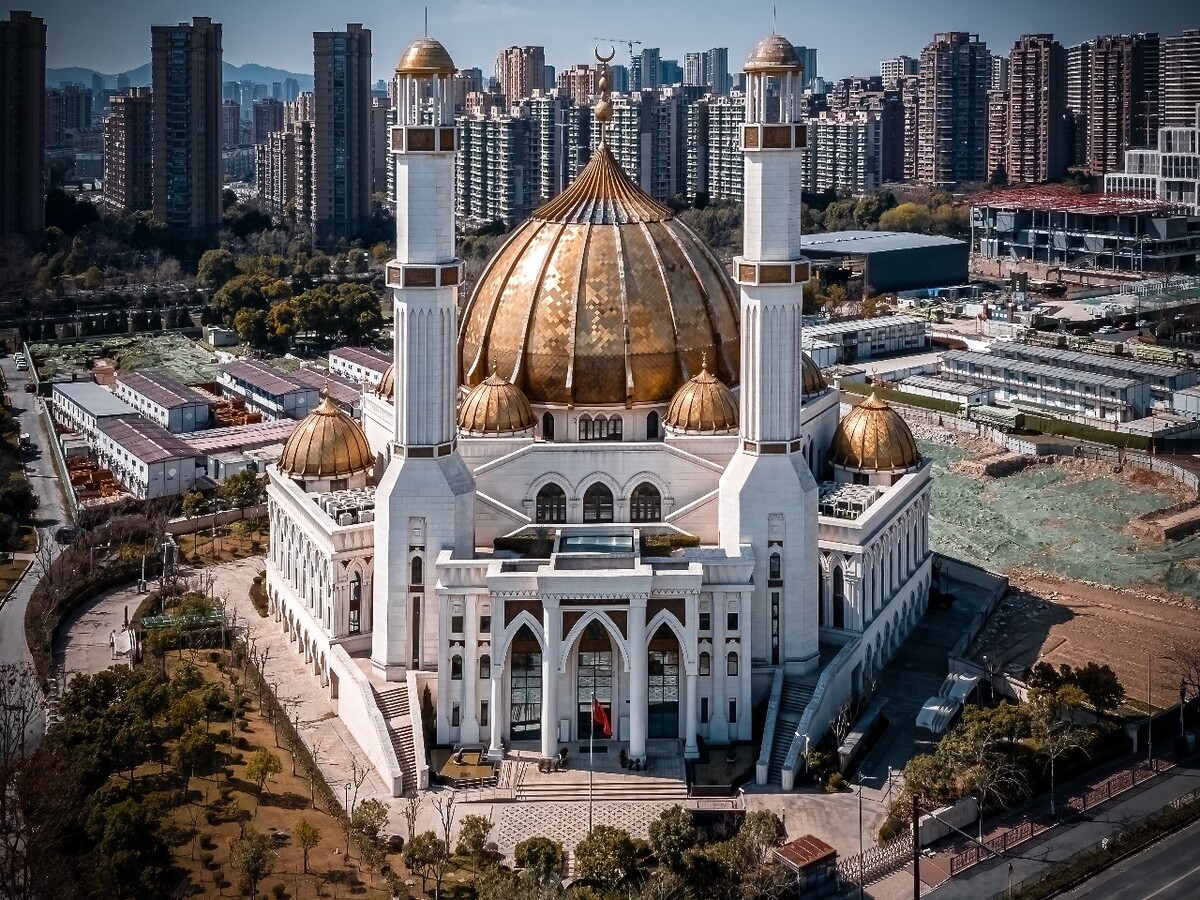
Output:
x,y
690,750
495,751
552,625
638,678
468,714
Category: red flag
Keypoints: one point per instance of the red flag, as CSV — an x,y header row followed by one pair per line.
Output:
x,y
600,717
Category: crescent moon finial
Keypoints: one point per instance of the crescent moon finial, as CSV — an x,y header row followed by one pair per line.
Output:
x,y
609,58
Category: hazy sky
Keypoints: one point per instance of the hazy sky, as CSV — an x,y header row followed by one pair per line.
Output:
x,y
851,35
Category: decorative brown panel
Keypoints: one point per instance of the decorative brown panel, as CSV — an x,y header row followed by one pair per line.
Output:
x,y
777,137
750,137
421,139
620,619
447,141
450,275
397,139
746,273
394,275
513,608
423,276
801,135
774,274
802,272
569,618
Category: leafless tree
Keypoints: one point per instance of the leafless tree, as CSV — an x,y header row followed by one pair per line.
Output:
x,y
842,722
20,702
358,775
444,803
1185,663
412,807
1055,735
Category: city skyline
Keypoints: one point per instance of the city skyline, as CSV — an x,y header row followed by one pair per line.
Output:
x,y
476,30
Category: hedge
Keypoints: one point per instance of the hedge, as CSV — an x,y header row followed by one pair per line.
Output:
x,y
893,396
1060,428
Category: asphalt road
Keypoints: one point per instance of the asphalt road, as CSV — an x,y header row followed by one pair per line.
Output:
x,y
1168,870
50,515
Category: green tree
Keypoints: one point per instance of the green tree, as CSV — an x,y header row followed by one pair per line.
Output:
x,y
369,817
426,855
606,856
672,834
542,856
307,837
472,836
194,504
216,269
906,217
194,751
262,764
243,489
252,858
251,326
761,832
1100,685
92,279
1053,735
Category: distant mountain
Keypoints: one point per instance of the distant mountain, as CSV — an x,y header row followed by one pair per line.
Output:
x,y
140,77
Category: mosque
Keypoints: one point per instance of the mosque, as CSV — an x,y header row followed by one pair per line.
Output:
x,y
612,471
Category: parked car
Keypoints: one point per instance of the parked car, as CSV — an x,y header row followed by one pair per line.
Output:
x,y
66,534
1143,323
1106,329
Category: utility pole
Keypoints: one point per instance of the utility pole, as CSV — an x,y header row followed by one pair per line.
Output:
x,y
916,835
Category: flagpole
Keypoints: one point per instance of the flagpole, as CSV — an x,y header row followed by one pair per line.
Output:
x,y
591,736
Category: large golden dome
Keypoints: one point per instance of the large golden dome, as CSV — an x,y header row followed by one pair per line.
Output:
x,y
602,297
813,382
703,406
774,53
327,444
495,407
425,56
873,436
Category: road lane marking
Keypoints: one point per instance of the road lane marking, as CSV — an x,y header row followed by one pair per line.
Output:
x,y
1171,884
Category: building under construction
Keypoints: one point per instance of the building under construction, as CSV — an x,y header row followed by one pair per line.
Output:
x,y
1054,225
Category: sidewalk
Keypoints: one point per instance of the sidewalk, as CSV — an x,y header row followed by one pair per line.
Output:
x,y
1057,844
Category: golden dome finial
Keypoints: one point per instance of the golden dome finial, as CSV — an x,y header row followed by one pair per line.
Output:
x,y
603,108
704,361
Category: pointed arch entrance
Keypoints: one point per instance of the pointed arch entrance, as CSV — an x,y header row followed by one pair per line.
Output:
x,y
594,675
662,693
525,687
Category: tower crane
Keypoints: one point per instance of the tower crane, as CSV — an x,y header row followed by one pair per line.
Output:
x,y
625,41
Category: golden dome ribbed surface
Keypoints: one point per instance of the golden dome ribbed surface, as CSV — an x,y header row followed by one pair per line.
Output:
x,y
494,407
602,297
772,54
425,56
812,380
703,406
874,436
327,444
387,384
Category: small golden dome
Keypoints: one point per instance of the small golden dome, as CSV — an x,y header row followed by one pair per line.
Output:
x,y
387,384
602,297
425,57
874,436
495,407
703,406
327,444
813,380
774,53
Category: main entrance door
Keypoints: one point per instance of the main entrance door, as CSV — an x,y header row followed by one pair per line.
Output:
x,y
594,673
663,689
525,688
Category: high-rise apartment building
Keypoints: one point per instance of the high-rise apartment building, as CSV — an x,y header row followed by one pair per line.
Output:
x,y
726,162
808,59
1037,95
952,132
291,89
620,79
843,152
492,178
648,137
231,124
997,157
670,72
268,117
128,158
186,67
520,71
380,156
341,134
892,70
999,80
284,172
22,124
1079,92
56,129
1170,172
910,98
1180,78
708,69
1123,99
578,82
645,73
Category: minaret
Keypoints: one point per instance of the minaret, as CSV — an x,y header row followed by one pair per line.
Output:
x,y
768,497
426,496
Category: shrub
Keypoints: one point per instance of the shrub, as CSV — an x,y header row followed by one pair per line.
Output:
x,y
836,783
206,841
278,891
889,829
206,860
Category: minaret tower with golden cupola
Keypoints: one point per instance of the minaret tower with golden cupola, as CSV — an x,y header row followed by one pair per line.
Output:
x,y
426,495
768,496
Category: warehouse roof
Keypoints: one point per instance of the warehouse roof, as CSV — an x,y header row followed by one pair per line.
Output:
x,y
813,331
368,357
241,437
338,389
945,385
1093,362
93,399
857,243
267,379
1060,373
163,389
1060,198
147,441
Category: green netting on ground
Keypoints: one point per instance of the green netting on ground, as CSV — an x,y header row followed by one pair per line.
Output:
x,y
174,353
1061,521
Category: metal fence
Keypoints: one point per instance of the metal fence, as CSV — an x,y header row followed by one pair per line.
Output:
x,y
878,862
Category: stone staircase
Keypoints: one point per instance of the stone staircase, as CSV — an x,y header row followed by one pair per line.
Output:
x,y
792,702
604,790
393,706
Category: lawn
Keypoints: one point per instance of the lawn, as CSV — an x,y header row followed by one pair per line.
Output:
x,y
10,574
237,540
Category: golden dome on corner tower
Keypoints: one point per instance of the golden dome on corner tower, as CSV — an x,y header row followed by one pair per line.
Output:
x,y
327,444
703,406
774,53
495,407
387,384
602,297
812,381
425,57
874,437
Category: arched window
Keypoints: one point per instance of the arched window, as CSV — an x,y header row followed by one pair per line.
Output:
x,y
652,426
705,664
551,504
356,604
839,598
547,427
598,503
456,668
585,428
821,620
645,504
485,667
775,567
600,428
418,571
731,664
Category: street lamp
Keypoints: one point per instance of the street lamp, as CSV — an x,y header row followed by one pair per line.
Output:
x,y
862,866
